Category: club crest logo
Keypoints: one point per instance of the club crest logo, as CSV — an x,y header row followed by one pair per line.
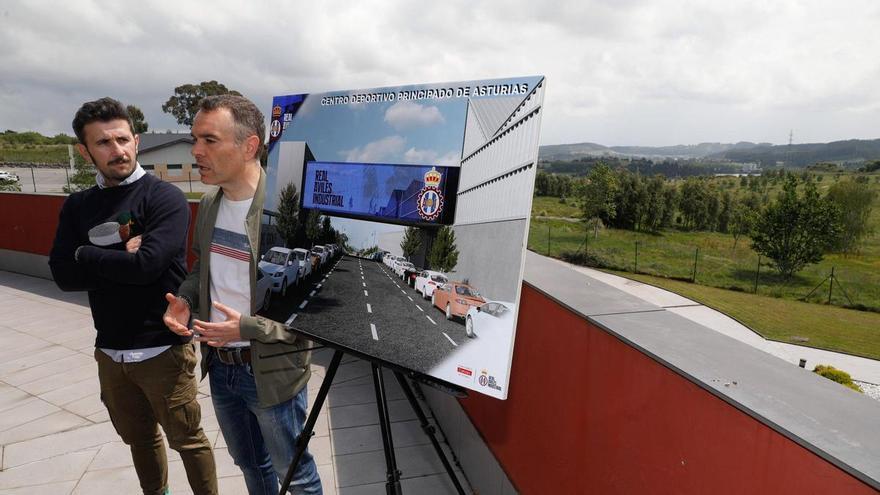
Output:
x,y
430,199
276,111
275,128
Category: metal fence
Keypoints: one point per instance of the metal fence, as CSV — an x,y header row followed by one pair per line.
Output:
x,y
713,261
55,179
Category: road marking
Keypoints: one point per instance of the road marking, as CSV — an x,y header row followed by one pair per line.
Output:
x,y
373,330
365,284
290,320
450,340
318,286
369,309
429,319
312,293
365,293
410,299
420,308
401,290
303,305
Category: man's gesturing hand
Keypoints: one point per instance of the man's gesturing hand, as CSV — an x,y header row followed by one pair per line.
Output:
x,y
177,315
219,333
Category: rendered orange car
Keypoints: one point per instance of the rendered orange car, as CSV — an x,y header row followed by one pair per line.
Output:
x,y
455,298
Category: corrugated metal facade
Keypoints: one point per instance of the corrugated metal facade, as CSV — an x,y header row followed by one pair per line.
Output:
x,y
501,151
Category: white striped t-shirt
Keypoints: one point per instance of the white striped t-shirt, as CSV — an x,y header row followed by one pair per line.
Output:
x,y
230,261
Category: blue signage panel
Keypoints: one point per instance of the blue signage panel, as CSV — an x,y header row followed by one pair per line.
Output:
x,y
404,194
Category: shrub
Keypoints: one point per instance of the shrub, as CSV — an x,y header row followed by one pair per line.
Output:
x,y
836,375
584,259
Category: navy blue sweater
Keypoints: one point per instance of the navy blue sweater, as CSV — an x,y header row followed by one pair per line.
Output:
x,y
126,291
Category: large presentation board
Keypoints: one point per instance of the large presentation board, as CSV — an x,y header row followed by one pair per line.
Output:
x,y
437,175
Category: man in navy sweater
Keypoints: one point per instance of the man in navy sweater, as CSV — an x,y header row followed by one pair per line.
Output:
x,y
124,241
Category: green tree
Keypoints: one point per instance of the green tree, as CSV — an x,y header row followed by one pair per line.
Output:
x,y
184,103
313,226
724,215
328,234
83,177
796,230
742,219
9,185
444,253
288,214
137,118
412,241
694,203
854,199
598,195
656,203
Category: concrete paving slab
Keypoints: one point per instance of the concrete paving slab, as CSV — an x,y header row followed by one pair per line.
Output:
x,y
81,426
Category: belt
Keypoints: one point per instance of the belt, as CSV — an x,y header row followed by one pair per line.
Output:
x,y
234,355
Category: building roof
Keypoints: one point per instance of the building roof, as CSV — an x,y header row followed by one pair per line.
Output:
x,y
150,141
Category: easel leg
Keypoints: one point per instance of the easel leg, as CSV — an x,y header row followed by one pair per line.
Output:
x,y
392,486
428,429
302,442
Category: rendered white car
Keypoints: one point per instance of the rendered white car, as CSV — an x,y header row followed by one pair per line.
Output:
x,y
303,257
491,318
401,267
323,252
263,291
427,281
281,266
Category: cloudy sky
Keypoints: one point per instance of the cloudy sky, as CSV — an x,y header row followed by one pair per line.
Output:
x,y
622,72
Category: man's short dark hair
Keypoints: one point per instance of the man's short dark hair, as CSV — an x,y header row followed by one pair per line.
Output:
x,y
101,110
248,119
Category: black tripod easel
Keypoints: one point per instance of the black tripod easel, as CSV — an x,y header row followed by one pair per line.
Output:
x,y
392,485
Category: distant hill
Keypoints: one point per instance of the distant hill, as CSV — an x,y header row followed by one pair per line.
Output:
x,y
566,152
766,154
801,155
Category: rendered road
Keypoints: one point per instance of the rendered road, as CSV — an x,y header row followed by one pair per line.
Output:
x,y
362,305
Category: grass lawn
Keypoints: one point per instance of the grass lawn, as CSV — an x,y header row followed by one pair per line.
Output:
x,y
672,254
795,322
49,153
549,206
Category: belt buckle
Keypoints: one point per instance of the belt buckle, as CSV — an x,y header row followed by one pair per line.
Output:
x,y
236,356
230,356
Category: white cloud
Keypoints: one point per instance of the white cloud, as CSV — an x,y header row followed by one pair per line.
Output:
x,y
618,72
407,115
431,157
375,151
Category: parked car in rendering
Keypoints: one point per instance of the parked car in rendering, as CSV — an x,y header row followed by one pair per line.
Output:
x,y
263,291
494,317
304,260
280,264
410,274
323,252
427,280
400,266
455,298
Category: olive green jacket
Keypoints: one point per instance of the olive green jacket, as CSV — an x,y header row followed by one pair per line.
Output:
x,y
280,365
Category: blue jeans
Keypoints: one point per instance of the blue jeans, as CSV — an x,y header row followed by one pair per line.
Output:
x,y
261,440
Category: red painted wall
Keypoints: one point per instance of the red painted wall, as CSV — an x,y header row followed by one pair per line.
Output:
x,y
28,222
587,413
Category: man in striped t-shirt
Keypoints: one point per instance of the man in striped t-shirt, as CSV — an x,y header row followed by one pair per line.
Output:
x,y
257,368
